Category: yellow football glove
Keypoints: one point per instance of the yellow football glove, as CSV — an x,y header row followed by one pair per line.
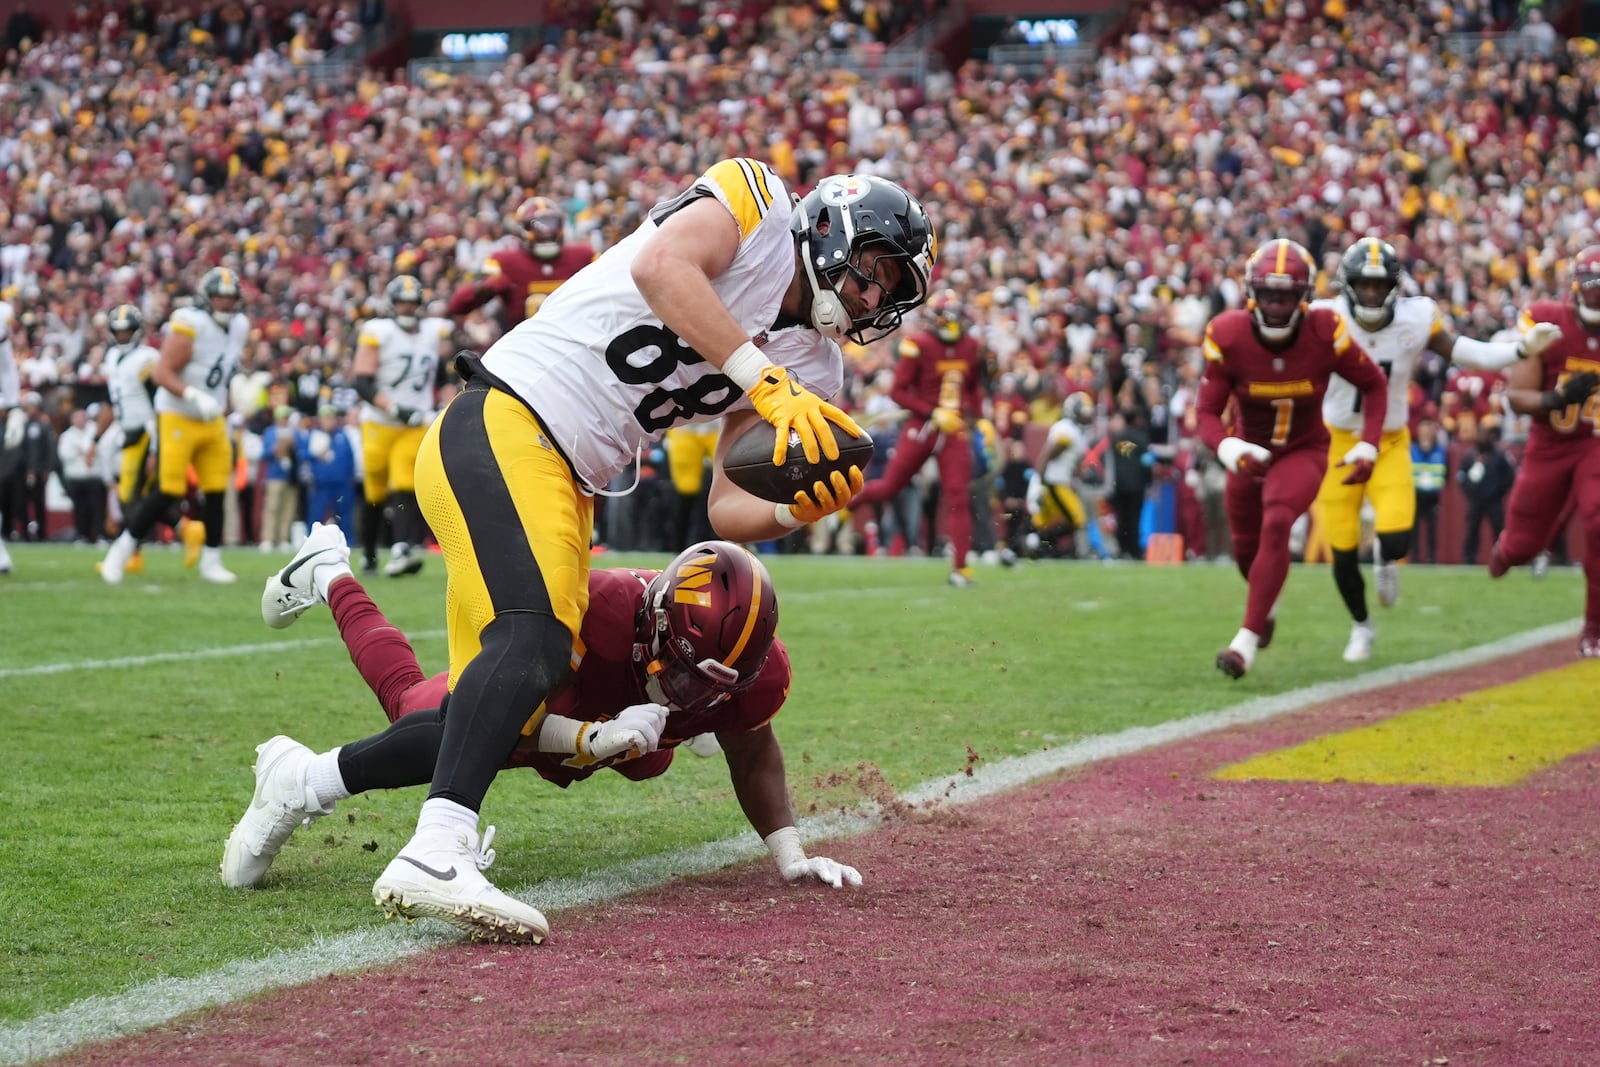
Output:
x,y
788,405
823,501
948,420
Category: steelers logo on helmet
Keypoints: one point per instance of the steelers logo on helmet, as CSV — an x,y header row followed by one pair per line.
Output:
x,y
1586,285
218,295
1369,275
125,323
403,295
706,626
1278,279
867,228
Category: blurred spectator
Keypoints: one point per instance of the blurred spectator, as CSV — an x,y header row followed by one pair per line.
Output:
x,y
1486,478
1430,473
80,476
280,448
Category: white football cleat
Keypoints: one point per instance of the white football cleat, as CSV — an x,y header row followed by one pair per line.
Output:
x,y
1541,564
403,559
117,557
293,591
281,803
1359,649
5,559
438,875
1386,576
212,570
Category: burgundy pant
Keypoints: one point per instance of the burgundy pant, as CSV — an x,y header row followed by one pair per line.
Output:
x,y
1549,477
918,440
1260,512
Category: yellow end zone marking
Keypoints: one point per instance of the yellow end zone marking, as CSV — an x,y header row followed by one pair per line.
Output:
x,y
1488,737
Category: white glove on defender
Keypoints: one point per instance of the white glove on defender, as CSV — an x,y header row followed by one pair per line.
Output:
x,y
1234,449
204,404
635,730
1540,336
794,864
1362,452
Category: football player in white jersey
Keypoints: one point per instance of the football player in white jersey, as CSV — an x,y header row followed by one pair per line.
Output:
x,y
129,363
10,397
199,355
397,361
727,301
1394,330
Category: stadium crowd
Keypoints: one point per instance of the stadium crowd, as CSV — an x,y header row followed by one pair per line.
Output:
x,y
1092,218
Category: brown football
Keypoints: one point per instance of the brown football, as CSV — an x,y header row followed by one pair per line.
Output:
x,y
748,463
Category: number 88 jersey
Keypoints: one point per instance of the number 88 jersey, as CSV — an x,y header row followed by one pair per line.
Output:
x,y
606,376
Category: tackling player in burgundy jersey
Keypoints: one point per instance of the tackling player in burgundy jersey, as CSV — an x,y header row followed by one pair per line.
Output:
x,y
524,274
939,380
662,657
1272,362
1561,461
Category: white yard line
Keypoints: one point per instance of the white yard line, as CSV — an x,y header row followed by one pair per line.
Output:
x,y
154,1003
222,652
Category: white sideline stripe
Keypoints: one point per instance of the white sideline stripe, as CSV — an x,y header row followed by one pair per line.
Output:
x,y
223,652
68,666
157,1002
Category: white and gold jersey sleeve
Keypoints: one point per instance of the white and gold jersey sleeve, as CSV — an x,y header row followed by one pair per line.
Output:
x,y
127,380
216,356
607,377
10,375
408,364
1396,348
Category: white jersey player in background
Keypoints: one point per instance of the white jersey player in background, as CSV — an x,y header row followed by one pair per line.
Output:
x,y
11,417
199,355
1394,330
396,368
129,363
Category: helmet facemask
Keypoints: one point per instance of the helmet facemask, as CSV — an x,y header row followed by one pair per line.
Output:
x,y
1586,287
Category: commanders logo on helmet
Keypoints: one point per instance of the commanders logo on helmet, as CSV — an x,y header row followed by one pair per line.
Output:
x,y
706,626
219,283
1369,275
541,223
403,296
1278,279
835,224
125,323
1586,284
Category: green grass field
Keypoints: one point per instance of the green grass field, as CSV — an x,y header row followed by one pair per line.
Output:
x,y
130,716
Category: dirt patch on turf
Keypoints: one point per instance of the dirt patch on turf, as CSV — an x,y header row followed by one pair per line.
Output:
x,y
1138,912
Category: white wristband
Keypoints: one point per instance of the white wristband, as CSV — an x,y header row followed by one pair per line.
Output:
x,y
559,734
785,847
745,365
784,514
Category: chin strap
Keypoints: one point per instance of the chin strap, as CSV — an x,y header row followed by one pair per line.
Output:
x,y
827,310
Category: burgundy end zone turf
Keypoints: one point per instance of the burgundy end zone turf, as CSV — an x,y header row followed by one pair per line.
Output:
x,y
1136,913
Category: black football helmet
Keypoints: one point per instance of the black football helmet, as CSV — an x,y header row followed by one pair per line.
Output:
x,y
218,295
845,216
403,295
705,627
126,323
1369,274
